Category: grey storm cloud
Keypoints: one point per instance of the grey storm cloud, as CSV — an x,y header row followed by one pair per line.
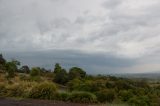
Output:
x,y
113,35
69,59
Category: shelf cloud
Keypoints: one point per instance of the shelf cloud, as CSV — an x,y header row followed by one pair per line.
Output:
x,y
109,35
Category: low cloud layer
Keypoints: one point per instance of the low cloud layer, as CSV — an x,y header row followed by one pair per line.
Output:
x,y
110,35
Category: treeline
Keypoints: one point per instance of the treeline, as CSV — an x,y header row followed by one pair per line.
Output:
x,y
74,85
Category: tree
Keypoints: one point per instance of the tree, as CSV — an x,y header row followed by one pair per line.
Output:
x,y
11,68
61,77
25,69
76,72
57,68
2,62
16,62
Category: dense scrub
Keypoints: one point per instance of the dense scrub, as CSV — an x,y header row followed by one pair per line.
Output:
x,y
75,85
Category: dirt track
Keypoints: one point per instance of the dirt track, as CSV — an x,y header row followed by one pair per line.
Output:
x,y
11,102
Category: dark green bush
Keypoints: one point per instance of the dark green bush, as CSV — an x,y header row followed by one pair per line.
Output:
x,y
43,91
125,95
82,97
139,101
35,72
63,96
110,84
105,95
86,85
74,84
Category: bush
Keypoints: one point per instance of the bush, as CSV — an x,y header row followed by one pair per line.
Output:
x,y
43,91
74,84
36,78
3,90
24,77
82,97
15,90
105,95
35,72
63,96
139,101
125,95
110,84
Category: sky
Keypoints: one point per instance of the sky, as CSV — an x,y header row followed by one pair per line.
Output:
x,y
100,36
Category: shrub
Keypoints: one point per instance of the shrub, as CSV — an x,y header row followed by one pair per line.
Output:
x,y
110,84
35,72
125,95
43,91
82,97
3,90
15,90
24,77
74,84
35,78
105,95
139,101
63,96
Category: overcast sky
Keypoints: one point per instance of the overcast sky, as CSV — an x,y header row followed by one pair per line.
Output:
x,y
101,36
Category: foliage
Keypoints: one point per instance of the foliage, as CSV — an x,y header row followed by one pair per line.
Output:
x,y
57,68
75,86
2,60
64,96
86,85
36,78
3,90
105,95
82,97
35,72
110,84
61,77
139,101
44,91
24,77
15,90
76,72
11,68
125,95
25,69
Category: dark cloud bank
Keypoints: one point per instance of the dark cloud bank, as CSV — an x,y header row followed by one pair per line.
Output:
x,y
101,36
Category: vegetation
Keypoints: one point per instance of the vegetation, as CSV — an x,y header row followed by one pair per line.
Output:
x,y
83,97
43,91
75,85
